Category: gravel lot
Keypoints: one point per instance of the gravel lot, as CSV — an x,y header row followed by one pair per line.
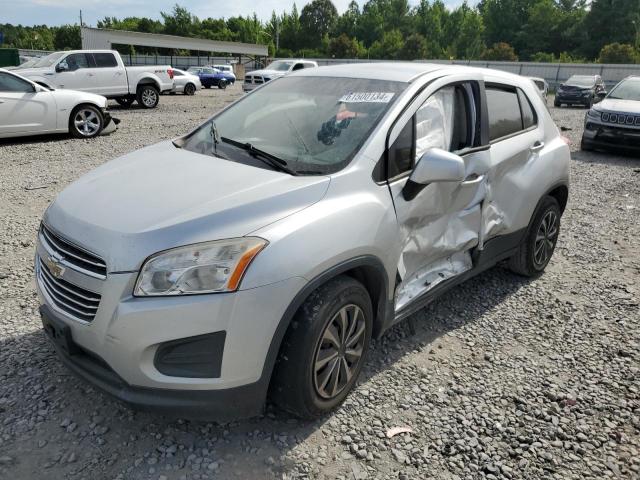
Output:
x,y
503,378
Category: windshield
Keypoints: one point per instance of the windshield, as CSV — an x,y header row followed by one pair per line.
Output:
x,y
193,70
315,124
280,66
627,90
580,81
49,59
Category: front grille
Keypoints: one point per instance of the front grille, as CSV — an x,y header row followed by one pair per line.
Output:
x,y
72,299
621,118
74,256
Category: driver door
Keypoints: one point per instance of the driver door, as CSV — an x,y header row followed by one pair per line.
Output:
x,y
75,72
23,109
441,223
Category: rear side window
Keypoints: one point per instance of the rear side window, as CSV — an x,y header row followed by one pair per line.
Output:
x,y
510,111
105,60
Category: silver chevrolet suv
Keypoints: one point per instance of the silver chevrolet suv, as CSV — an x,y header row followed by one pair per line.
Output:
x,y
259,254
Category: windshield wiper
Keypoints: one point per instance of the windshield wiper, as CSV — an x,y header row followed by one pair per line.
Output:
x,y
270,159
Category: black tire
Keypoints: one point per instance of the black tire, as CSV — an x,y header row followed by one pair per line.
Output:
x,y
148,96
222,84
584,146
207,86
295,386
556,103
189,89
530,261
86,121
125,102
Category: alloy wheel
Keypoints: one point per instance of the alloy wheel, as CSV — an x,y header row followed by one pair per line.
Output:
x,y
149,97
86,122
339,351
546,238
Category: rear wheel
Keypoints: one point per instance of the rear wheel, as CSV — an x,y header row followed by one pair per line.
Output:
x,y
556,103
537,247
324,349
148,96
189,89
86,121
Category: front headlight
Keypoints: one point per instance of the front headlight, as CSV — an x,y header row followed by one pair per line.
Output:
x,y
593,113
200,268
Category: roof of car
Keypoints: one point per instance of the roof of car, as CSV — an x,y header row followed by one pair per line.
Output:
x,y
392,71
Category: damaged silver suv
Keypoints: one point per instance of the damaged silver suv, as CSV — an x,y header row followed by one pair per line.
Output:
x,y
260,253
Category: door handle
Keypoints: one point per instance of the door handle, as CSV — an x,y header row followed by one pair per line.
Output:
x,y
536,147
89,74
472,179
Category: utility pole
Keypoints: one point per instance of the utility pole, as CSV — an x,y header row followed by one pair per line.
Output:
x,y
80,18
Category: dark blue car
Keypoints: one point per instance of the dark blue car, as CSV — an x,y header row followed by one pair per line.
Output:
x,y
211,77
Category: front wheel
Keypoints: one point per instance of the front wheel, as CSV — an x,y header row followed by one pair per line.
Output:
x,y
324,350
189,89
148,96
222,84
86,121
536,249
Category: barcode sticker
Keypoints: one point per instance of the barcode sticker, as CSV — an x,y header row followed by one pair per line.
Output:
x,y
366,97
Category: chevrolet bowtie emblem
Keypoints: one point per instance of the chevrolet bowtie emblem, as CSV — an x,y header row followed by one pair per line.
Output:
x,y
54,266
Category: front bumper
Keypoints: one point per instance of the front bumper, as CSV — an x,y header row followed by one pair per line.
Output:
x,y
118,349
573,99
608,136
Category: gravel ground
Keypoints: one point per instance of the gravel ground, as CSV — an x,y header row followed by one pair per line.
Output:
x,y
503,377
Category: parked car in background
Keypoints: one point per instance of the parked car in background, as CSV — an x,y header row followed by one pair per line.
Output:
x,y
276,69
580,90
210,77
228,69
542,86
303,220
102,72
27,108
615,122
185,82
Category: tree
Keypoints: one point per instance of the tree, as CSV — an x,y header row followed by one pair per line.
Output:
x,y
618,53
389,47
179,22
343,47
467,43
500,51
414,48
67,37
611,21
317,19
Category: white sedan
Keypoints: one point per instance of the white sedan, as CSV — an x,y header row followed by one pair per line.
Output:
x,y
27,108
185,82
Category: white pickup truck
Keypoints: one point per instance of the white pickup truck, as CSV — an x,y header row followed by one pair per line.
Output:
x,y
102,72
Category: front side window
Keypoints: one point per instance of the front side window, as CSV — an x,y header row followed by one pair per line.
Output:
x,y
75,61
10,83
434,122
315,124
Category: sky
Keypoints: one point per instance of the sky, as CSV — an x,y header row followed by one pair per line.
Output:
x,y
58,12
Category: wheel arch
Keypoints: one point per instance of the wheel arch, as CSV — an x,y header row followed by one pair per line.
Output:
x,y
561,194
148,81
367,269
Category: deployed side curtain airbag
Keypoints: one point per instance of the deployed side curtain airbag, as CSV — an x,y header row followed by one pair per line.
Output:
x,y
434,122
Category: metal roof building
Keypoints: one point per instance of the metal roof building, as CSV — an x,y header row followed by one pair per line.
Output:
x,y
100,38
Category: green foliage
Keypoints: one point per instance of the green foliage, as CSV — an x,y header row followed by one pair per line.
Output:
x,y
500,51
540,30
618,53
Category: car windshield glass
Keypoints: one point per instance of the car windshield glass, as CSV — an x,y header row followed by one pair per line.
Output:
x,y
578,81
193,70
627,90
279,66
49,59
315,124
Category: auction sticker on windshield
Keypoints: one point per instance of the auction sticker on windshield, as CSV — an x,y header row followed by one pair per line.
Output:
x,y
367,97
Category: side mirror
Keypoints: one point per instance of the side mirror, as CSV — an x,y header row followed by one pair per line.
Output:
x,y
62,67
436,165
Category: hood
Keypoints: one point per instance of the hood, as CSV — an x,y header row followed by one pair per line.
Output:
x,y
27,72
162,197
620,106
570,86
268,73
